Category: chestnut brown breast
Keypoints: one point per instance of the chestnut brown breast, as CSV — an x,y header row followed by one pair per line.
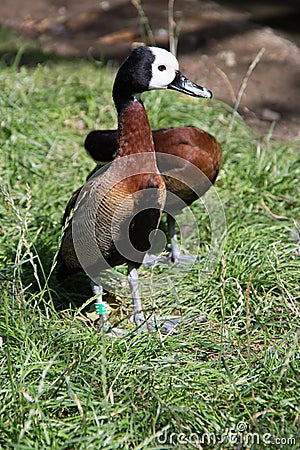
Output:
x,y
190,145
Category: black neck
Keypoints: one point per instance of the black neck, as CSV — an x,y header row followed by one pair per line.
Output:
x,y
122,104
122,100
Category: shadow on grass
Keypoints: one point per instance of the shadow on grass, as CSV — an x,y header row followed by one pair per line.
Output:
x,y
29,57
31,281
16,52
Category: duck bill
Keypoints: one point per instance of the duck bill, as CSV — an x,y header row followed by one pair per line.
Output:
x,y
182,84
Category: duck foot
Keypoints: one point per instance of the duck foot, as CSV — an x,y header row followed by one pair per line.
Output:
x,y
179,260
183,260
167,325
163,324
153,260
111,331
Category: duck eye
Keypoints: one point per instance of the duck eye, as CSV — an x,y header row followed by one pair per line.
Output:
x,y
162,68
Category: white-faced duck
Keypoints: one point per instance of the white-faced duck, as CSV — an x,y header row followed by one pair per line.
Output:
x,y
118,208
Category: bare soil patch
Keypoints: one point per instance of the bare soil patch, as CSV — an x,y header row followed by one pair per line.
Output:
x,y
216,46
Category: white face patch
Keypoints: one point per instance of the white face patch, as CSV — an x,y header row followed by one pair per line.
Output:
x,y
163,68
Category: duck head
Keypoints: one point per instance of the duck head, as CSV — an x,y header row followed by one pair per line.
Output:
x,y
148,68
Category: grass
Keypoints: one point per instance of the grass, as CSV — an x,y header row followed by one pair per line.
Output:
x,y
233,378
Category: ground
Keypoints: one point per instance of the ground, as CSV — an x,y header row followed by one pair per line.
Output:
x,y
217,45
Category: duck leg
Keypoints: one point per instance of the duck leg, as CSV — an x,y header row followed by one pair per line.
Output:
x,y
138,316
167,325
175,249
175,256
98,290
105,326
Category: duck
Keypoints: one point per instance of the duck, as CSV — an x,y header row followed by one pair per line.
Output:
x,y
109,220
191,146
